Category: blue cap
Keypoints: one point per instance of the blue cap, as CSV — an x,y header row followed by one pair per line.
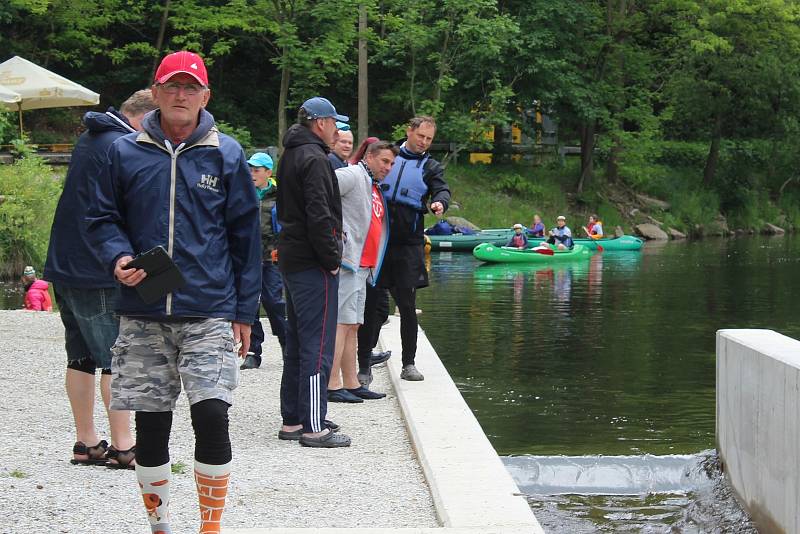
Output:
x,y
320,108
260,159
342,126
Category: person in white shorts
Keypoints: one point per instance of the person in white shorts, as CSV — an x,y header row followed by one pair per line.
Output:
x,y
366,227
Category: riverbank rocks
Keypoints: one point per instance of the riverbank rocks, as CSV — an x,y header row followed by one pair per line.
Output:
x,y
653,202
771,229
650,231
718,227
618,231
461,221
675,234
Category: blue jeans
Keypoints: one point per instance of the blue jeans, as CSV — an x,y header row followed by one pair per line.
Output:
x,y
274,305
90,326
311,306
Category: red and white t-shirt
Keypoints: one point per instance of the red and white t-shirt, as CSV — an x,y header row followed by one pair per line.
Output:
x,y
369,256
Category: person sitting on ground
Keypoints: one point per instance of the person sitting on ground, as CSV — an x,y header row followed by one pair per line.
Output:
x,y
518,240
271,284
561,234
594,228
537,227
365,224
37,296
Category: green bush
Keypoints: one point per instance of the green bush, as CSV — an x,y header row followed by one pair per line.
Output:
x,y
683,153
30,192
240,133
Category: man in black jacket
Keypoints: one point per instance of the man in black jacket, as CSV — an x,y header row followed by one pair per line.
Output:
x,y
415,182
309,254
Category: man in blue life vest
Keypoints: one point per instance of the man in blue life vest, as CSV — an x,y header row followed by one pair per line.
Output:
x,y
415,183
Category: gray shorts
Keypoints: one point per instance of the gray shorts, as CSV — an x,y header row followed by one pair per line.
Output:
x,y
352,296
150,359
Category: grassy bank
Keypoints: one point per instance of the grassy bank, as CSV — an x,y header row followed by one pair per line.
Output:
x,y
493,196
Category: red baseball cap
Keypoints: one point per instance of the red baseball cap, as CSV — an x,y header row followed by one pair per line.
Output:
x,y
183,61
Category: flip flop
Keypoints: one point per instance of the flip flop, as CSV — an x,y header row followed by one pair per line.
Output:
x,y
96,455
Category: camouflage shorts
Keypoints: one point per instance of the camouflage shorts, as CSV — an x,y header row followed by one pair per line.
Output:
x,y
151,359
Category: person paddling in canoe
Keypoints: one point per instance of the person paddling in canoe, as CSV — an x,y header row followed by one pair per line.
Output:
x,y
518,240
537,227
594,228
561,235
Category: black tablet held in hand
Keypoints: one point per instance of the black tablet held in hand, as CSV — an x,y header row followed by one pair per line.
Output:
x,y
163,276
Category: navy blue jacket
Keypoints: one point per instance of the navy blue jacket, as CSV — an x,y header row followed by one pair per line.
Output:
x,y
197,200
71,260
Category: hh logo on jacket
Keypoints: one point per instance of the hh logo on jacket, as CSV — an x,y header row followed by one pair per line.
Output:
x,y
208,182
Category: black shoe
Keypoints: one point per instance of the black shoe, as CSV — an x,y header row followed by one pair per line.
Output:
x,y
366,394
250,362
326,441
379,357
342,395
294,435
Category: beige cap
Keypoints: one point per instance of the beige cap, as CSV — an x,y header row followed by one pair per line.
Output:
x,y
561,218
518,225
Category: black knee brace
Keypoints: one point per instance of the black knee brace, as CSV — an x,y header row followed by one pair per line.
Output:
x,y
210,422
84,365
152,438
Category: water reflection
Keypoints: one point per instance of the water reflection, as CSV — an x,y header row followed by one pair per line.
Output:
x,y
610,356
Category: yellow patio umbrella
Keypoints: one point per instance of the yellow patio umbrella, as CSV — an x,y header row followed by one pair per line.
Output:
x,y
39,88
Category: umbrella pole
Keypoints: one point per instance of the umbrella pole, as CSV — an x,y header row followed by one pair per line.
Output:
x,y
20,121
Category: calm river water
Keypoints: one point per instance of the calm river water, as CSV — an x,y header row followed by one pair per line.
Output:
x,y
611,363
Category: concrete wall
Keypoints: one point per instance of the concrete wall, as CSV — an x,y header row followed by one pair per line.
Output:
x,y
758,424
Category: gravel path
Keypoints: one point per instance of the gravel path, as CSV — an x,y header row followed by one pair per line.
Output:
x,y
377,482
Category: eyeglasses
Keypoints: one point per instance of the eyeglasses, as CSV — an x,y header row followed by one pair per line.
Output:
x,y
189,89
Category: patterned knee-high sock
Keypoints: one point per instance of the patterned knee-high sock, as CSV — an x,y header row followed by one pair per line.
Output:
x,y
212,488
154,483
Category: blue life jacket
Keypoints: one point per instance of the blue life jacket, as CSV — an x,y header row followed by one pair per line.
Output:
x,y
404,183
276,226
440,228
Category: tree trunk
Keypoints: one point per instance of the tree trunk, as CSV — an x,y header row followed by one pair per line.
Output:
x,y
587,153
612,164
710,169
437,88
283,97
162,29
363,78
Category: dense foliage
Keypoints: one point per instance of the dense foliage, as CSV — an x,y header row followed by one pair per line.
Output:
x,y
708,87
29,192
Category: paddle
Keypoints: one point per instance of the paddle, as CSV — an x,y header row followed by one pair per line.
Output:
x,y
547,251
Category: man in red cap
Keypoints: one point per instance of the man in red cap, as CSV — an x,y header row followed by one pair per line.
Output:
x,y
182,185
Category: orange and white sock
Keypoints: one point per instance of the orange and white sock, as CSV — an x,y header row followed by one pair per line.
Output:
x,y
212,488
154,483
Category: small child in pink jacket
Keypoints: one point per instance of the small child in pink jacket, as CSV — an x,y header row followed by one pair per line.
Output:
x,y
37,296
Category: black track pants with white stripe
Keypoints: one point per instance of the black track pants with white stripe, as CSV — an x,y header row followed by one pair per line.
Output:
x,y
311,310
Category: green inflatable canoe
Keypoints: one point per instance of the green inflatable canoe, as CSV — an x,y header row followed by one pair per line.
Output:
x,y
464,242
625,242
494,254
